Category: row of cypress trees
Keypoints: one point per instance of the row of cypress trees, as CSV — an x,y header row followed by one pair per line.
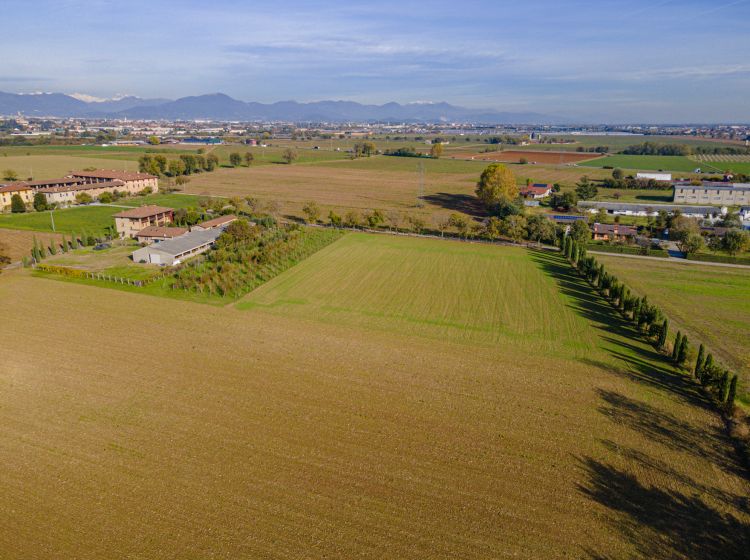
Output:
x,y
39,251
651,321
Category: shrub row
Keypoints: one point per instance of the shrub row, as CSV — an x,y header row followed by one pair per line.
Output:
x,y
651,322
707,257
627,250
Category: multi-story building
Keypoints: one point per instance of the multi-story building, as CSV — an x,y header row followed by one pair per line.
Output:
x,y
130,222
7,192
64,196
133,182
723,194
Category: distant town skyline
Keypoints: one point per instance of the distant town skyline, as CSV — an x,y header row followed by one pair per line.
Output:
x,y
617,61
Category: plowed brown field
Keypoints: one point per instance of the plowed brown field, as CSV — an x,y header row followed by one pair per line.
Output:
x,y
388,398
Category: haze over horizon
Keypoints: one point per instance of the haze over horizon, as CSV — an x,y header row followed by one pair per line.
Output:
x,y
609,64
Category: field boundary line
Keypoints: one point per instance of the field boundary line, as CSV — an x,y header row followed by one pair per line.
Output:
x,y
669,259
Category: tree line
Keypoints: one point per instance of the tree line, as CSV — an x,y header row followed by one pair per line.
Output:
x,y
650,321
655,149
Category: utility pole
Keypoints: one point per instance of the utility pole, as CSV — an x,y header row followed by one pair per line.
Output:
x,y
420,195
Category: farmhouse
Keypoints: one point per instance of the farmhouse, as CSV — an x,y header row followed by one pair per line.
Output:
x,y
629,209
7,192
50,183
727,194
536,190
614,232
174,251
130,222
151,234
215,222
64,195
132,182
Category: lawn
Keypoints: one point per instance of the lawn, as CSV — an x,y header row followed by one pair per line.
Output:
x,y
345,283
387,398
645,163
114,261
92,219
711,304
172,200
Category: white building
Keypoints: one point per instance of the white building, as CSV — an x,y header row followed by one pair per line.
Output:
x,y
666,177
709,213
174,251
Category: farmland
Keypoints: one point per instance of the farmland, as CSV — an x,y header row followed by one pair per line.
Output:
x,y
645,163
69,220
711,304
548,156
386,398
19,242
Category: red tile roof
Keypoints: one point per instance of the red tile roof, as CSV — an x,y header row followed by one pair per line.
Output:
x,y
614,229
219,221
160,231
112,174
14,187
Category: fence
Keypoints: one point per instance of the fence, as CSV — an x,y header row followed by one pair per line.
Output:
x,y
101,276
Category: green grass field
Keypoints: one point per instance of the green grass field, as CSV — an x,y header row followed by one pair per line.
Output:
x,y
734,166
386,398
645,163
459,302
711,304
93,219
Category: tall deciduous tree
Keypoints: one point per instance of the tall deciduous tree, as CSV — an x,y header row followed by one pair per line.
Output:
x,y
496,183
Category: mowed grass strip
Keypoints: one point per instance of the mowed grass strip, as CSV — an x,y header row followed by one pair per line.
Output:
x,y
645,163
452,290
710,303
92,219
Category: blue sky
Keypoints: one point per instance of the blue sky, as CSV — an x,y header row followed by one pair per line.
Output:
x,y
656,61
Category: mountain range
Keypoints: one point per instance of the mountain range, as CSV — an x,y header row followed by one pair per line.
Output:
x,y
218,106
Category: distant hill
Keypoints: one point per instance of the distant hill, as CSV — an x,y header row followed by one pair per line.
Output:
x,y
218,106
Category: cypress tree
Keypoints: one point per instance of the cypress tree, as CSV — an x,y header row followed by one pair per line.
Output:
x,y
663,333
724,386
732,393
676,345
699,361
708,367
683,350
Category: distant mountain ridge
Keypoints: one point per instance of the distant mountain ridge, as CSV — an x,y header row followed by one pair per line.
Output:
x,y
219,106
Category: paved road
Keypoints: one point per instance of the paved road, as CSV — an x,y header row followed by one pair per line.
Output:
x,y
668,259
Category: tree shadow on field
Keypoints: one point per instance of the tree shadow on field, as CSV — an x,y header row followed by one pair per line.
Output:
x,y
656,519
641,361
457,202
661,523
665,429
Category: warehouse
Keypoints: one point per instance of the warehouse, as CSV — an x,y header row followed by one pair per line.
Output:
x,y
174,251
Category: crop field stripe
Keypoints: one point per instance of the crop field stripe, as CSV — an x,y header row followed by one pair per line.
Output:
x,y
291,434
